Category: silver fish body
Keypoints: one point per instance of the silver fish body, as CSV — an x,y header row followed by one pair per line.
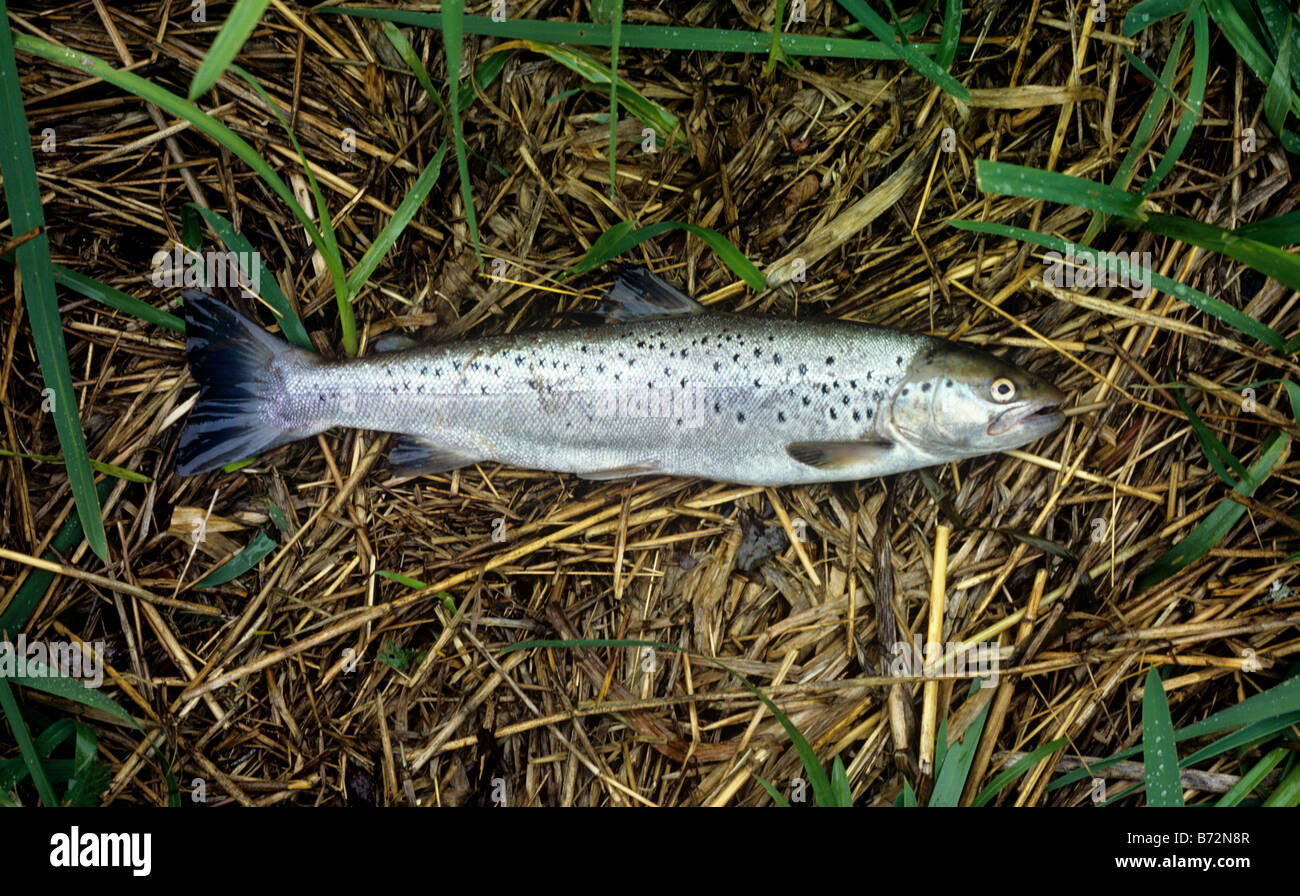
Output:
x,y
734,398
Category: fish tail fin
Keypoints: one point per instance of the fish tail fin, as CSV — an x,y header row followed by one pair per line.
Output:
x,y
240,371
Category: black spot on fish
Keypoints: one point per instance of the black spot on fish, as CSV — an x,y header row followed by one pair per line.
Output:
x,y
875,396
758,353
899,360
780,416
870,413
683,353
757,383
740,418
856,415
826,390
853,384
600,368
948,383
925,387
683,382
806,401
803,369
904,392
420,390
834,416
717,407
844,400
830,360
776,357
668,371
424,371
640,343
519,360
583,349
736,358
717,365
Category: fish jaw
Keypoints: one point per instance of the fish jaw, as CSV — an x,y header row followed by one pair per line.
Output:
x,y
1033,419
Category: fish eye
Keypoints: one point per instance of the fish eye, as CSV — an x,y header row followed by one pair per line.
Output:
x,y
1003,390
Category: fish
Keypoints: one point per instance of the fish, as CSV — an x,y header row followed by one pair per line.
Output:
x,y
663,386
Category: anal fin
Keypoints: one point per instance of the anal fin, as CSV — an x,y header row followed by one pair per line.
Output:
x,y
838,455
413,456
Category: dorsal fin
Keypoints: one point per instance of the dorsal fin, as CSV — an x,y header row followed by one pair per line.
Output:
x,y
639,293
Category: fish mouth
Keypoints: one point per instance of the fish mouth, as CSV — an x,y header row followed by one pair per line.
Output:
x,y
1041,417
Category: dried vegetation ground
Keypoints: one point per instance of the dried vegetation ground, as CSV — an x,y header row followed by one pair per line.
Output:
x,y
313,680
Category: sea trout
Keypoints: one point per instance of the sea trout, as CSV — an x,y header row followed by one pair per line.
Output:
x,y
667,387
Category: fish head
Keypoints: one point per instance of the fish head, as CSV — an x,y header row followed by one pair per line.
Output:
x,y
957,401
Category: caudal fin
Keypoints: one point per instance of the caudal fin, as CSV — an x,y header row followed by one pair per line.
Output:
x,y
240,371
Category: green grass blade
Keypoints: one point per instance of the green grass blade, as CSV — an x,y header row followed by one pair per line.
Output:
x,y
246,559
840,783
1214,307
616,26
33,588
1192,108
1148,12
1282,266
116,299
181,108
97,466
1252,778
649,37
773,792
1215,451
1052,186
329,246
453,18
949,35
402,216
22,193
625,235
923,66
89,777
44,679
664,123
1159,752
401,579
1220,521
950,780
1282,230
1288,790
1261,709
1245,41
1010,774
230,40
1151,117
1277,100
9,708
236,242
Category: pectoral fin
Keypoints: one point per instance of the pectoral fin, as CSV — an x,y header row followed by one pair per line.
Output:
x,y
838,455
620,472
412,456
